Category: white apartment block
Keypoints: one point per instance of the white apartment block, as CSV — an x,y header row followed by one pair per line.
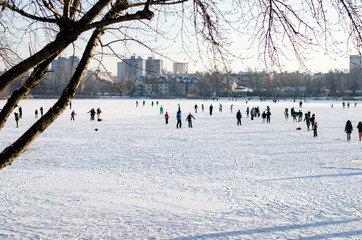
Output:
x,y
130,68
65,65
355,63
154,67
180,68
355,69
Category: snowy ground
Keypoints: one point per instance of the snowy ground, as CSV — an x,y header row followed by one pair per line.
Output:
x,y
137,178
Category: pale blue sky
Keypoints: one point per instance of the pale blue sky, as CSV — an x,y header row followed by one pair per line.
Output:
x,y
170,45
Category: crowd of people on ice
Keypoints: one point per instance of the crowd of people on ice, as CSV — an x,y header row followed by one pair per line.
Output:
x,y
254,112
251,112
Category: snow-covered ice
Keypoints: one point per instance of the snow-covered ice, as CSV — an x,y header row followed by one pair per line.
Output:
x,y
137,178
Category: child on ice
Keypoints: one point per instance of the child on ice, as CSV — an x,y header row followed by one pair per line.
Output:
x,y
189,120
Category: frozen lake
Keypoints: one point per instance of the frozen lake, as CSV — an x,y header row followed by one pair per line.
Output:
x,y
138,178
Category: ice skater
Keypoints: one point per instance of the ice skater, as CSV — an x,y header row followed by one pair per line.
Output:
x,y
99,114
307,120
36,113
20,113
359,127
92,114
315,129
348,129
268,113
166,117
72,115
161,110
312,120
189,120
286,114
238,117
17,119
210,109
179,119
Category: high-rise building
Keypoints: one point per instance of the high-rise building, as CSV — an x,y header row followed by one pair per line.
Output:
x,y
65,65
154,67
355,63
180,68
355,72
130,68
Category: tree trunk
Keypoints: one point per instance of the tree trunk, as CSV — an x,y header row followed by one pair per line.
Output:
x,y
22,144
28,85
68,34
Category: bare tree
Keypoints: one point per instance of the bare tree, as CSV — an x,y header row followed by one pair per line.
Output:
x,y
64,23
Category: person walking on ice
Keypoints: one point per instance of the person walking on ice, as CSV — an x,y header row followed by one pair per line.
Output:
x,y
348,129
315,130
36,113
189,120
238,117
16,119
92,114
161,110
359,126
179,118
20,113
72,115
166,117
210,109
286,114
268,113
99,114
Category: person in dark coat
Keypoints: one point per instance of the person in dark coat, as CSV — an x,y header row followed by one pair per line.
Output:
x,y
238,117
92,114
16,119
72,115
307,120
189,120
263,116
20,113
268,113
41,111
348,129
312,120
359,126
210,109
315,129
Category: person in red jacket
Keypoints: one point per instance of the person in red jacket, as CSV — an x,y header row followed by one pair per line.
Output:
x,y
359,126
166,117
315,128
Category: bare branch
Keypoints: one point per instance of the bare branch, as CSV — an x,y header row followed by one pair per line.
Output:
x,y
25,14
52,9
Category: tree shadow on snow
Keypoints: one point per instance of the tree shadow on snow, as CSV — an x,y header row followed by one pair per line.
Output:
x,y
315,176
282,228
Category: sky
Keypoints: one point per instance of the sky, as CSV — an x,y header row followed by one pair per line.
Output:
x,y
173,40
